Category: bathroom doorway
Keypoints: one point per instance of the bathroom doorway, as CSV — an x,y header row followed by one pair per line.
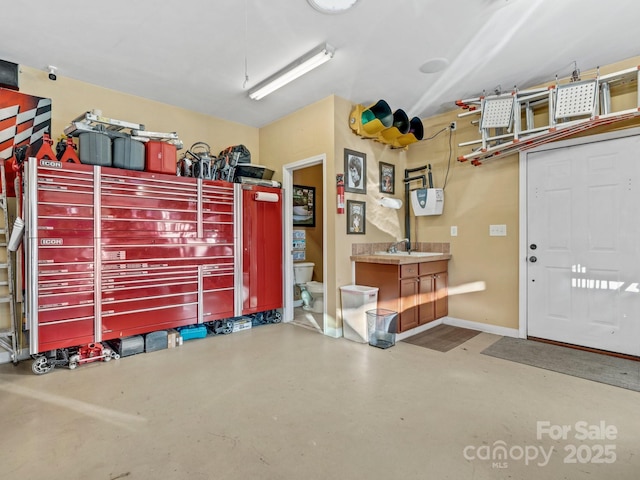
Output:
x,y
309,174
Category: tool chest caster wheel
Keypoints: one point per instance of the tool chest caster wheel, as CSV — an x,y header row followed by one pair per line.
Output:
x,y
41,365
227,327
73,361
108,354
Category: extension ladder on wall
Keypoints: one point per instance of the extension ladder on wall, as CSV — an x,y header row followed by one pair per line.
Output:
x,y
507,122
8,323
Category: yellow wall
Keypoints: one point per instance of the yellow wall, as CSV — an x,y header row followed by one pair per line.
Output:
x,y
475,197
71,98
312,177
304,134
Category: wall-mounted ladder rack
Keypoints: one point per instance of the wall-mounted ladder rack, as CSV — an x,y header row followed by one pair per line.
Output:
x,y
525,119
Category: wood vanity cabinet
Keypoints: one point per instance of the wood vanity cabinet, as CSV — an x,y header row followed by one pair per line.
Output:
x,y
417,291
434,303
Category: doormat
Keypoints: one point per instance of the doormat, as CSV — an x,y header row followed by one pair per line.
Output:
x,y
442,338
597,367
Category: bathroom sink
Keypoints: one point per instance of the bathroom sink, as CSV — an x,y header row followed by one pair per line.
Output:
x,y
409,254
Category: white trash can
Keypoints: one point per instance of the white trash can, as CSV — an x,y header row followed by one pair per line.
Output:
x,y
356,300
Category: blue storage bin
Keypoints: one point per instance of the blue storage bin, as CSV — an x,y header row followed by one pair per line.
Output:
x,y
193,331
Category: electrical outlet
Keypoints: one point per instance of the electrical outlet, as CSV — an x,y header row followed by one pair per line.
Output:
x,y
453,126
497,230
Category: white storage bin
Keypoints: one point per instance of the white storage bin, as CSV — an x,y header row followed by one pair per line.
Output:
x,y
356,300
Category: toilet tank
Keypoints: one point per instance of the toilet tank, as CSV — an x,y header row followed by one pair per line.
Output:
x,y
302,272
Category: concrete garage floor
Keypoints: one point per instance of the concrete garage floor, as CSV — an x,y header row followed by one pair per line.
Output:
x,y
283,402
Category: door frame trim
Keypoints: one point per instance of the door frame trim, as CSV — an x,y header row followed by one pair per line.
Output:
x,y
287,185
522,215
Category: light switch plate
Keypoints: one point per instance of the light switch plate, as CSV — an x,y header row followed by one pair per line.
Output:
x,y
454,231
497,230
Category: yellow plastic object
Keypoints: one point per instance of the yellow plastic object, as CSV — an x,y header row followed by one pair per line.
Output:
x,y
369,121
399,127
415,133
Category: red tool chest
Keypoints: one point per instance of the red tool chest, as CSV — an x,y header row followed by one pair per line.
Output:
x,y
112,253
160,157
261,248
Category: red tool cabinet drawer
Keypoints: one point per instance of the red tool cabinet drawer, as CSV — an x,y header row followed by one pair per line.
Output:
x,y
116,325
71,271
157,292
114,198
217,304
56,297
146,227
142,304
69,312
59,250
58,195
217,280
60,223
65,333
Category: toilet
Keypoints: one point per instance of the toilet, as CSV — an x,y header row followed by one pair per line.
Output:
x,y
316,289
302,274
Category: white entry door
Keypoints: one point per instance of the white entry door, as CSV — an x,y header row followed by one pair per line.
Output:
x,y
583,245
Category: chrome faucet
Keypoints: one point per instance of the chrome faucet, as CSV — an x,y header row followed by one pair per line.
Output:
x,y
393,248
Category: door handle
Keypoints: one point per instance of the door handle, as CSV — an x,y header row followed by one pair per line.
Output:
x,y
533,259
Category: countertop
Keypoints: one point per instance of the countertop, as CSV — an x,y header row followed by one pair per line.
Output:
x,y
399,259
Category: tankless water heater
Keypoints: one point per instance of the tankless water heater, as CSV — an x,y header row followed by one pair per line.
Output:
x,y
427,201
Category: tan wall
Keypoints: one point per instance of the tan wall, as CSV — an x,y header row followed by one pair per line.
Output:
x,y
476,197
383,224
312,131
304,134
312,177
71,98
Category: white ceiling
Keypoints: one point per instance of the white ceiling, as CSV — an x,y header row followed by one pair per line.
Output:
x,y
192,53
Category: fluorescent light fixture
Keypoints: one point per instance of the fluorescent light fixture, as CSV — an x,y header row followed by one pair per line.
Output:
x,y
295,69
332,6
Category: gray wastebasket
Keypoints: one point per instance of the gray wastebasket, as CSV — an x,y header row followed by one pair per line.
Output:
x,y
381,324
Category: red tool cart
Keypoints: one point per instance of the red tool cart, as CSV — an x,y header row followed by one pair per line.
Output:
x,y
112,253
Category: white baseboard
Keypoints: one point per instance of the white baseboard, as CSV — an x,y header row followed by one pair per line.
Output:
x,y
483,327
417,330
333,332
457,322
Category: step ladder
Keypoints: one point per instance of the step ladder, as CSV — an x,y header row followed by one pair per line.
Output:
x,y
8,323
524,119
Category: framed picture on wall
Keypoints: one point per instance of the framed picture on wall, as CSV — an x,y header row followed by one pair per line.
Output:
x,y
355,171
304,206
356,217
387,178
